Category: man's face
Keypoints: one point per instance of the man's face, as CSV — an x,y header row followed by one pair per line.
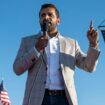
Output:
x,y
48,15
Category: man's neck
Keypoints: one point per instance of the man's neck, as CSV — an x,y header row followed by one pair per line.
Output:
x,y
52,34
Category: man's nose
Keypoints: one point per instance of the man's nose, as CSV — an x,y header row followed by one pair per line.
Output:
x,y
46,17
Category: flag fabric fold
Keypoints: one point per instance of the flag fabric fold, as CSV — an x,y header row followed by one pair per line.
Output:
x,y
4,98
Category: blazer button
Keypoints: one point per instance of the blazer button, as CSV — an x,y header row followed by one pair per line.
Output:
x,y
44,82
46,68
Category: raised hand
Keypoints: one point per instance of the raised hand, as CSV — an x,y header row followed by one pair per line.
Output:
x,y
92,36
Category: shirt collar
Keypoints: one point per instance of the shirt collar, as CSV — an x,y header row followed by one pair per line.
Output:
x,y
57,35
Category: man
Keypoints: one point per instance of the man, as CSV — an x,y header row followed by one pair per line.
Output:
x,y
50,60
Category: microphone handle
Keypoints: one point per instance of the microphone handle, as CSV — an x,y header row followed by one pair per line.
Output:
x,y
45,33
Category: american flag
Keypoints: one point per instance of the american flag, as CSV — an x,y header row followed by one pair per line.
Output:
x,y
4,98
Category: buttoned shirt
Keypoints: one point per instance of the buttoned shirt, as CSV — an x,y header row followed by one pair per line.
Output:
x,y
54,79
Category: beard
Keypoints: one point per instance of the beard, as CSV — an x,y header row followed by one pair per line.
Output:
x,y
48,26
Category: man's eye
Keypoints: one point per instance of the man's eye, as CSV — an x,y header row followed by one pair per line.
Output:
x,y
42,15
50,14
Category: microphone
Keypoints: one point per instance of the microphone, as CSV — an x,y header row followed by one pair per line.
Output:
x,y
45,27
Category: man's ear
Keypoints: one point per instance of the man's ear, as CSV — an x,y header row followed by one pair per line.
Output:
x,y
58,21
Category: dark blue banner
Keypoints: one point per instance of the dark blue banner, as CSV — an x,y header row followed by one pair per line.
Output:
x,y
103,34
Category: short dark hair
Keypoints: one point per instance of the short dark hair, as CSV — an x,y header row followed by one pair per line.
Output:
x,y
51,6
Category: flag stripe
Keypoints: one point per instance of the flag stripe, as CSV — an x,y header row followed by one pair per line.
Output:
x,y
4,98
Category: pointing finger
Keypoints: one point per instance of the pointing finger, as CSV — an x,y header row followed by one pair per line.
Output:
x,y
91,25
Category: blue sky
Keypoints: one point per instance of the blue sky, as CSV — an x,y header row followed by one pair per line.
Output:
x,y
19,18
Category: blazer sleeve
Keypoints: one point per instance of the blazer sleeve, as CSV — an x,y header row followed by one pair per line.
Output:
x,y
25,58
87,61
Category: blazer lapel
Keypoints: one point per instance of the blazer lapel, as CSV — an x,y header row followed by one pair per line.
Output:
x,y
44,57
62,45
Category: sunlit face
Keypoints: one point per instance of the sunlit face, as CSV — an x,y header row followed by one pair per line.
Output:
x,y
49,15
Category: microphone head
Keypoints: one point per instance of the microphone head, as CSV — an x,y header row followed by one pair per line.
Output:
x,y
45,26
